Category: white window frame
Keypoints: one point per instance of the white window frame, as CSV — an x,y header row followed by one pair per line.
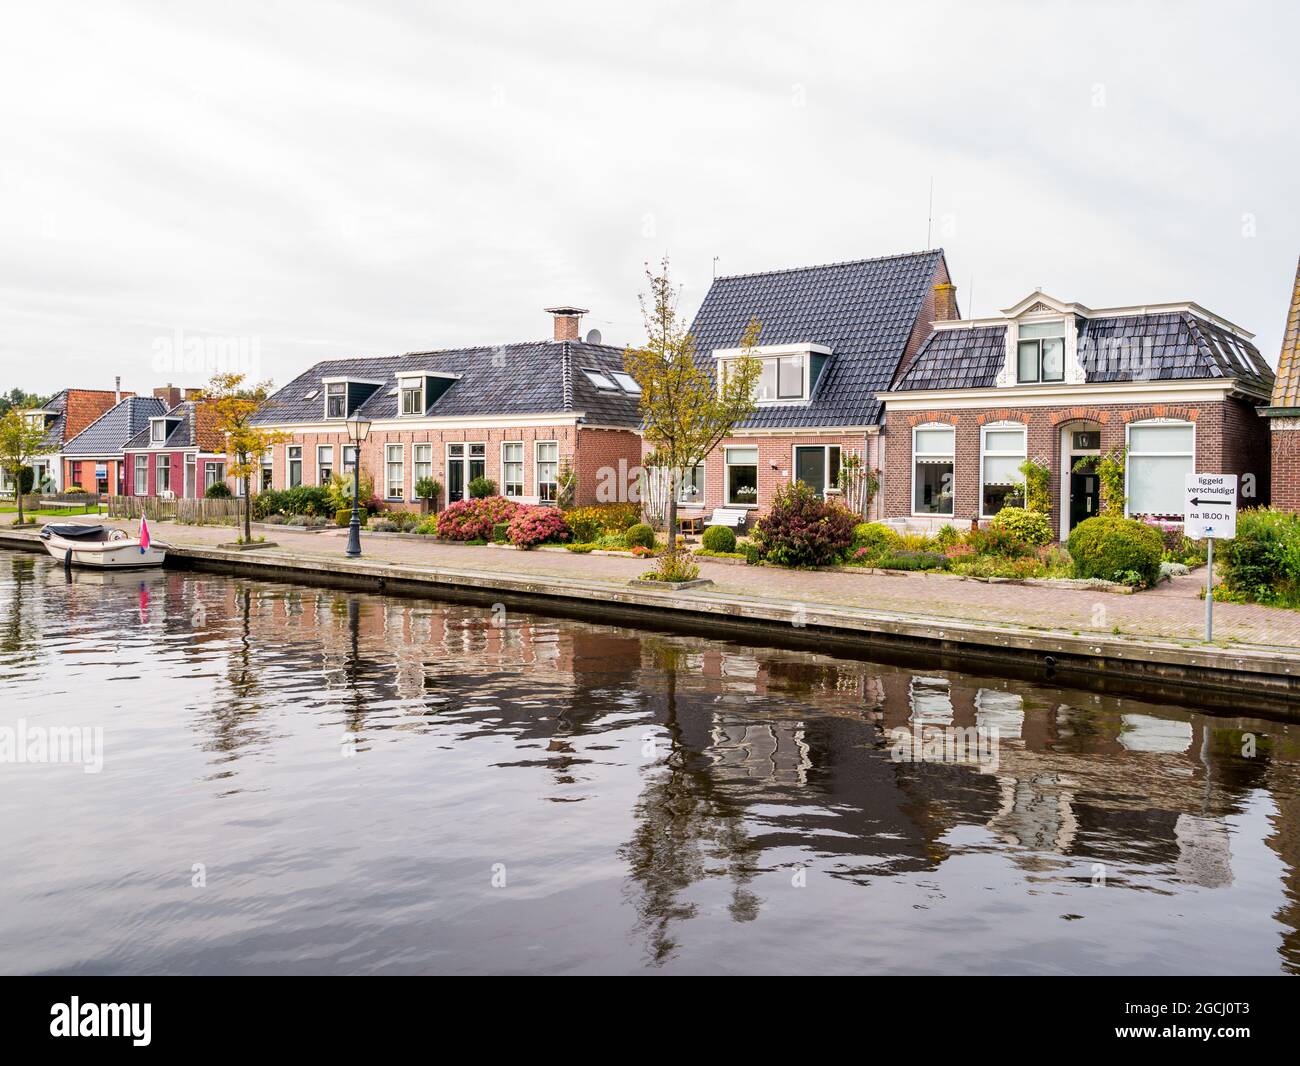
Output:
x,y
1040,380
329,387
208,479
826,464
407,385
506,483
542,483
289,460
952,459
1129,454
421,468
389,449
1023,454
157,431
140,473
162,462
727,464
324,464
701,474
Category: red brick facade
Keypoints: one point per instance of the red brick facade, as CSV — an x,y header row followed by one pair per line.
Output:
x,y
776,463
594,454
1230,438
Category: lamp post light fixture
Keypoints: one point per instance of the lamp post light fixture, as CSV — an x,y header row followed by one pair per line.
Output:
x,y
358,430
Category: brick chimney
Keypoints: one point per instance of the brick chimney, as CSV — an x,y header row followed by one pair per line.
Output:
x,y
567,322
193,394
169,394
945,303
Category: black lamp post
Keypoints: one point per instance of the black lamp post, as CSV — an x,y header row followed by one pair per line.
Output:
x,y
358,430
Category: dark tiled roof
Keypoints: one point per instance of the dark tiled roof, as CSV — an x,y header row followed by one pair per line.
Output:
x,y
864,311
54,430
181,436
957,359
109,433
1166,346
534,377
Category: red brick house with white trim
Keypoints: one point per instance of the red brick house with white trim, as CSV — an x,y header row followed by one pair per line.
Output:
x,y
520,414
180,453
832,337
1177,386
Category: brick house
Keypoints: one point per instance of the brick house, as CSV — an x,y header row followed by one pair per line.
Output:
x,y
832,337
519,414
1283,412
93,459
66,414
179,452
1178,387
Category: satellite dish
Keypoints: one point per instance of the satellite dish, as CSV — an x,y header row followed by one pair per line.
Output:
x,y
593,336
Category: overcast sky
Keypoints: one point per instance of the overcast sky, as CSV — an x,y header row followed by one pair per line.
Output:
x,y
334,179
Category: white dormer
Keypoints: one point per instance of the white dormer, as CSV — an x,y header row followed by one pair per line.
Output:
x,y
417,389
1042,343
789,372
160,428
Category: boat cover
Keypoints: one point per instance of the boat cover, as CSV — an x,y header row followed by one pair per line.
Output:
x,y
69,531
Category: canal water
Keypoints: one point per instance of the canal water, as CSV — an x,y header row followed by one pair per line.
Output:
x,y
205,774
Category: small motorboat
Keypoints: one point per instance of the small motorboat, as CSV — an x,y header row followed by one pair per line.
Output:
x,y
101,547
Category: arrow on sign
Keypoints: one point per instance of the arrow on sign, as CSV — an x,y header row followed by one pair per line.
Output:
x,y
1197,503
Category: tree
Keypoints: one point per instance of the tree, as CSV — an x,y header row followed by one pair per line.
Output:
x,y
685,413
234,404
18,400
20,442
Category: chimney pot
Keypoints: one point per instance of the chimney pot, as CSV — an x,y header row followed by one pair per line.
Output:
x,y
117,389
567,322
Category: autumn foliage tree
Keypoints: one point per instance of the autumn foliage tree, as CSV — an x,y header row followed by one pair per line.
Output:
x,y
685,411
234,404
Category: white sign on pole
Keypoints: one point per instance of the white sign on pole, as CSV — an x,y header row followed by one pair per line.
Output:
x,y
1210,506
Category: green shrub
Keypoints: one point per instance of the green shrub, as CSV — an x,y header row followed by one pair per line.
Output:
x,y
501,533
1116,549
1032,527
639,536
590,524
1262,563
801,529
999,542
947,537
873,536
218,490
907,560
718,539
343,516
481,488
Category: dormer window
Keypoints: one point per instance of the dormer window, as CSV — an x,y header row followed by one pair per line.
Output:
x,y
336,400
1040,352
158,430
412,396
788,372
627,381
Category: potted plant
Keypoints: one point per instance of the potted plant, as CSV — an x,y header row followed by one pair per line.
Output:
x,y
427,492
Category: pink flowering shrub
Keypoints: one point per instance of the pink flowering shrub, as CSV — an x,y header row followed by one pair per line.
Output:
x,y
538,525
474,519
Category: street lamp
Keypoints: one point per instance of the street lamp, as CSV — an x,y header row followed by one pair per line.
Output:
x,y
358,430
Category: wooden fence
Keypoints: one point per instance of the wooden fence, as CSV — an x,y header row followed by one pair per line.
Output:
x,y
192,512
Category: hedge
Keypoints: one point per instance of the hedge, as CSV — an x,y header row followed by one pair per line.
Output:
x,y
1116,549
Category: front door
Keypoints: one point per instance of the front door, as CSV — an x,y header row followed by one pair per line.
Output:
x,y
810,468
465,462
1085,497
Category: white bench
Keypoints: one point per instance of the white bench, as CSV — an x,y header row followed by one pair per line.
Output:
x,y
732,517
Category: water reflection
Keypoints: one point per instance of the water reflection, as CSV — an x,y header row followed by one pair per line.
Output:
x,y
351,769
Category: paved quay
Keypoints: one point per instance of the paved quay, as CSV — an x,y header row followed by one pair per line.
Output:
x,y
1157,632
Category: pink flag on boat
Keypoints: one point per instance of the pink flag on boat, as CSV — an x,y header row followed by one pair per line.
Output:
x,y
144,534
